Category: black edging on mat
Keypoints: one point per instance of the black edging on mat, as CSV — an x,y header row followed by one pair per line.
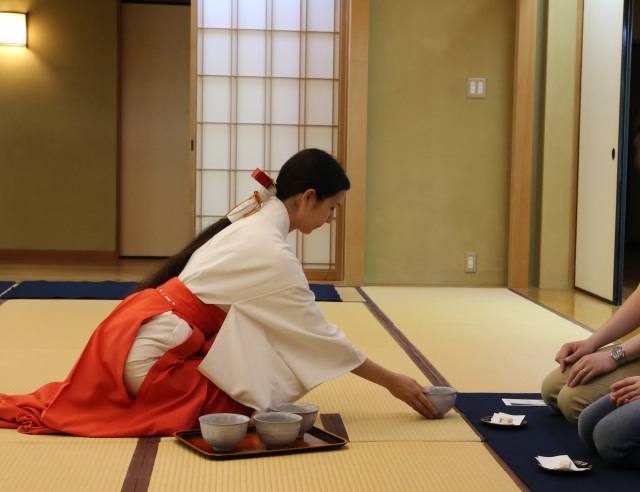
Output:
x,y
141,466
433,375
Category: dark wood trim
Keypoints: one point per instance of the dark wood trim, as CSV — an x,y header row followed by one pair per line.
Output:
x,y
119,84
329,275
352,132
57,255
522,144
160,2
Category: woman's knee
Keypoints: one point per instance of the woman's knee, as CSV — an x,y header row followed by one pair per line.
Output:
x,y
591,416
571,403
551,387
616,445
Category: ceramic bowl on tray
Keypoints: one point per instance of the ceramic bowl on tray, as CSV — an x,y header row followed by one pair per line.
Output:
x,y
443,398
277,429
307,411
223,431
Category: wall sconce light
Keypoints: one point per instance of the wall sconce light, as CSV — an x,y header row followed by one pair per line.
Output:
x,y
13,28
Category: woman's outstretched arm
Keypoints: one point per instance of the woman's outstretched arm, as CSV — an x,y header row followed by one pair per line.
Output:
x,y
402,387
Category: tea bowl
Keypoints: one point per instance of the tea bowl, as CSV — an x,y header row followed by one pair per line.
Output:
x,y
223,431
307,411
277,429
443,398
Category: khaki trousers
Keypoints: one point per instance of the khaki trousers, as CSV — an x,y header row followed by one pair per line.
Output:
x,y
571,401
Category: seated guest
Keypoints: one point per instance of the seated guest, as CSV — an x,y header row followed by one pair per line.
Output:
x,y
588,368
611,425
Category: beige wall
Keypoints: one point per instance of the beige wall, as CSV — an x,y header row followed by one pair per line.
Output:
x,y
437,162
58,128
437,166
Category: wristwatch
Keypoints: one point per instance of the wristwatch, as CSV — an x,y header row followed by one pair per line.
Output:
x,y
617,354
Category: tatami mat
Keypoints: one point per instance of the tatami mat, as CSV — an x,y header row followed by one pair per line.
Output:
x,y
363,467
42,339
63,464
51,323
40,342
481,339
370,412
486,340
349,294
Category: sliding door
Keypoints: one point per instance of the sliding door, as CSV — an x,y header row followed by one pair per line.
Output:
x,y
602,150
267,86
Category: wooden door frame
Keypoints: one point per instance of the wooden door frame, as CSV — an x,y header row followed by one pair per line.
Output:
x,y
352,144
522,144
352,139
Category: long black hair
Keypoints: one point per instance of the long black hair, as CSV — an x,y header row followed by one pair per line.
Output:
x,y
308,169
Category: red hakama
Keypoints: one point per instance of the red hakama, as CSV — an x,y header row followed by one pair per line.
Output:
x,y
93,401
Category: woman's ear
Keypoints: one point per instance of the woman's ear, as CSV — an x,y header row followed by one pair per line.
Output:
x,y
307,196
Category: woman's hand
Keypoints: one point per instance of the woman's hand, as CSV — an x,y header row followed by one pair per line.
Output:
x,y
573,351
412,393
625,391
402,387
590,366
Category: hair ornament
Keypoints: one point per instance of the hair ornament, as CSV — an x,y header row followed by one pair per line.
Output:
x,y
252,204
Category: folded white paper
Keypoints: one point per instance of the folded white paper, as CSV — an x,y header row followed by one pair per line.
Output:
x,y
523,403
557,462
503,418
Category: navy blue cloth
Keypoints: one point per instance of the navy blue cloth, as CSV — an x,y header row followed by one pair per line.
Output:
x,y
325,293
5,284
546,434
42,289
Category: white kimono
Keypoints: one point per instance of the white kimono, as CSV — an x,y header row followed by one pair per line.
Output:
x,y
275,344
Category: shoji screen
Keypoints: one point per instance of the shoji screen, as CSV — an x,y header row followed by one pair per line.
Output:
x,y
267,86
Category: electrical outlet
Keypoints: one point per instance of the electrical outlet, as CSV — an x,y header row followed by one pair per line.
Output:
x,y
477,88
470,260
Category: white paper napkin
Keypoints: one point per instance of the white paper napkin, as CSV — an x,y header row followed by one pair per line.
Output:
x,y
516,402
554,462
517,419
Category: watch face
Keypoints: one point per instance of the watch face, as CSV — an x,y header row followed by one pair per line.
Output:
x,y
617,352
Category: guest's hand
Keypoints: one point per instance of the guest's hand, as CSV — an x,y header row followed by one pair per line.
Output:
x,y
625,391
572,352
590,366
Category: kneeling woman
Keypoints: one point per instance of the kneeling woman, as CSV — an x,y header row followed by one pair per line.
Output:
x,y
227,325
611,425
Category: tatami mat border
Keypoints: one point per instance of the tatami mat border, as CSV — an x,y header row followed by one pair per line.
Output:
x,y
414,354
141,465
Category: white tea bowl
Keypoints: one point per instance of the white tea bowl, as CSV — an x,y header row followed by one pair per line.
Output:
x,y
223,431
307,411
277,429
443,398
